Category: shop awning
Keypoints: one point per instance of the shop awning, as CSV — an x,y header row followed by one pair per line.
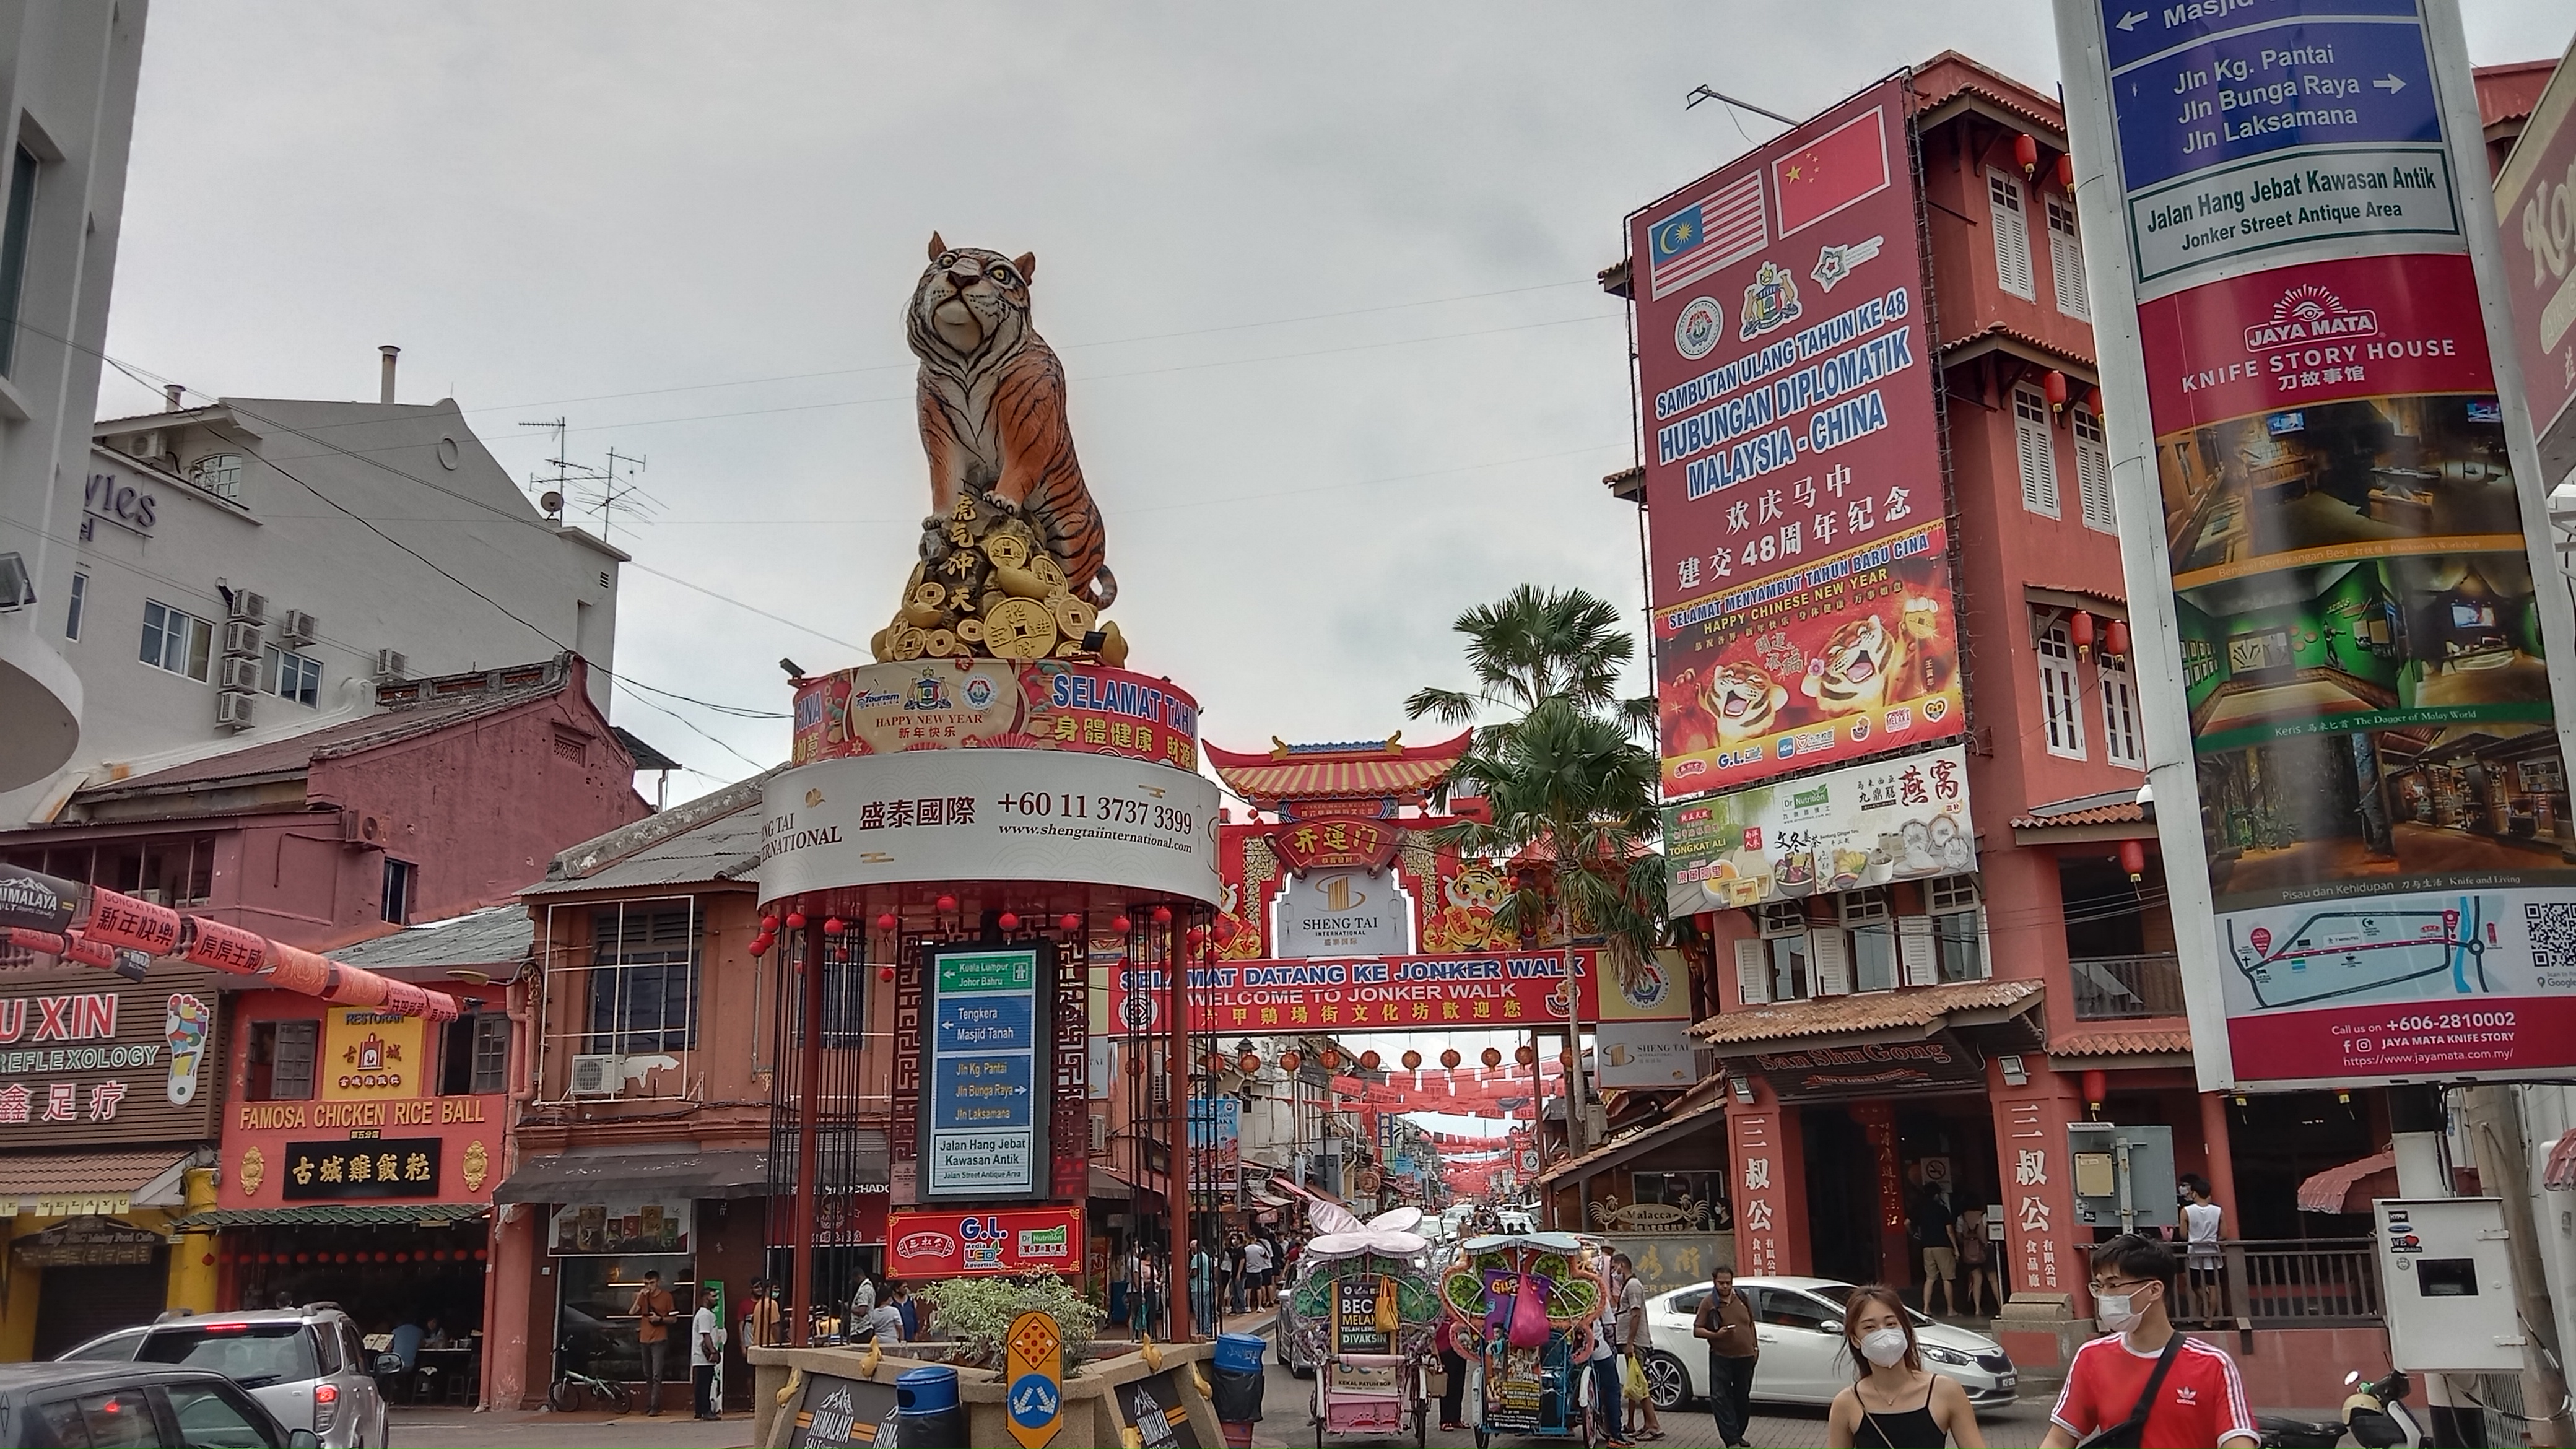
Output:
x,y
338,1215
71,1184
1705,1114
1868,1017
679,1170
2561,1172
2349,1188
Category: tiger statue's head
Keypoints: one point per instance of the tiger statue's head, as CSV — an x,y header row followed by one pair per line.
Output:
x,y
1744,700
970,307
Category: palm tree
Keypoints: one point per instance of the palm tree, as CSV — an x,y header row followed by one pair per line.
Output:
x,y
1531,647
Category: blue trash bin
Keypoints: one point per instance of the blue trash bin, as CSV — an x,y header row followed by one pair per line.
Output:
x,y
927,1414
1238,1385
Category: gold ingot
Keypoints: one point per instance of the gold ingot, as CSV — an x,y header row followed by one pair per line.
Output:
x,y
1068,651
970,629
908,643
1045,567
924,616
1023,583
880,646
939,644
1007,550
1072,615
1019,629
1113,647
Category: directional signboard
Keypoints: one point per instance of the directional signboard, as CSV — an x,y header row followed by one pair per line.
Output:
x,y
2360,785
983,1119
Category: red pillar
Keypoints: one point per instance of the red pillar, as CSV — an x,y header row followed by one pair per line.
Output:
x,y
508,1366
2046,1252
1769,1163
2222,1160
809,1093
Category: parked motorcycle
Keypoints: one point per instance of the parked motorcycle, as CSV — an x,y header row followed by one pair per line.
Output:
x,y
2374,1415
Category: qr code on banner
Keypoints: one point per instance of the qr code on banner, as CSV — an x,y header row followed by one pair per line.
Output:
x,y
2553,934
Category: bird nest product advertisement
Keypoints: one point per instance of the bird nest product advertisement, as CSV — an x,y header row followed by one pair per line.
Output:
x,y
2336,525
1799,569
966,704
1866,825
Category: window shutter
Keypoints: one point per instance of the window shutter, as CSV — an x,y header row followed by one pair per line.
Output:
x,y
1914,951
2012,235
2093,472
2034,441
1753,969
1829,962
2066,260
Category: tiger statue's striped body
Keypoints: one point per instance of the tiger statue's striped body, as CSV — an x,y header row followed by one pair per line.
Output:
x,y
992,405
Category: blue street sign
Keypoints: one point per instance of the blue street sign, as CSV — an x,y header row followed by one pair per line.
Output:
x,y
1034,1401
983,1093
2136,29
986,1024
2255,92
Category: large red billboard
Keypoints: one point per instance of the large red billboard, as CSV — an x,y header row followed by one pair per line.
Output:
x,y
1800,577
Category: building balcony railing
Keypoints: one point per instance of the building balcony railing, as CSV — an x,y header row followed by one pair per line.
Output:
x,y
2313,1283
2125,988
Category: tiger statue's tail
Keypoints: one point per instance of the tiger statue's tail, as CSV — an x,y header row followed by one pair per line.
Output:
x,y
1102,591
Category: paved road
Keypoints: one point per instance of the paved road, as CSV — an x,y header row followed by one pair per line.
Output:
x,y
465,1429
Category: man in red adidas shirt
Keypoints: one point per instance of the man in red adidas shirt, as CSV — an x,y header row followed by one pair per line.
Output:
x,y
2201,1401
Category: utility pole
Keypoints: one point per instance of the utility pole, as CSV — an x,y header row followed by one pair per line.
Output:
x,y
2504,1169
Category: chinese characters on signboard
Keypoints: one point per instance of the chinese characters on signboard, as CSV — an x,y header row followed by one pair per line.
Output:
x,y
1866,825
360,1167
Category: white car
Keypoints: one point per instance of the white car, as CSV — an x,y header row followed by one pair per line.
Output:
x,y
1799,1324
304,1365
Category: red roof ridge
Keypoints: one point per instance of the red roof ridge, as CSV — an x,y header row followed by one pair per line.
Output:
x,y
1391,748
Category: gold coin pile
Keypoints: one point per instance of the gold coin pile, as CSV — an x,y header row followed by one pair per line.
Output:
x,y
989,588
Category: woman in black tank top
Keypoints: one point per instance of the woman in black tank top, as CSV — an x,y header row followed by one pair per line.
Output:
x,y
1896,1403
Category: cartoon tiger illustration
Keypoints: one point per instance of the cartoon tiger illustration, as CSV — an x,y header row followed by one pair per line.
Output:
x,y
992,410
1466,922
1851,672
1745,700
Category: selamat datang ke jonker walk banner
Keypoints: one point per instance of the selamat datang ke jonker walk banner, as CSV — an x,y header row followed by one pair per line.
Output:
x,y
1799,565
2333,527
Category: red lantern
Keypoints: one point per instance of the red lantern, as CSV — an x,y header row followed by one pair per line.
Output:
x,y
1162,915
482,1253
2052,384
1069,921
1248,1063
1526,1054
796,920
209,1260
1122,925
945,905
832,926
1565,1059
1291,1059
402,1257
1330,1057
2133,859
1493,1057
440,1255
304,1257
2066,171
760,945
1135,1064
1008,920
2026,153
1368,1061
2097,1085
2079,632
1412,1061
769,923
1198,934
1449,1059
888,922
885,973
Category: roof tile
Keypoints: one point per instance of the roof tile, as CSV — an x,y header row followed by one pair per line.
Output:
x,y
1922,1006
52,1174
2116,1042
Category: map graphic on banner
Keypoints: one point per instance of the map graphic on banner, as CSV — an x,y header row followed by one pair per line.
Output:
x,y
1799,566
2383,806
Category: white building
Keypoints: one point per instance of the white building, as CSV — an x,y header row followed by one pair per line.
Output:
x,y
253,568
67,75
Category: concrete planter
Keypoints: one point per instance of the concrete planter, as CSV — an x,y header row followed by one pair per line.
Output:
x,y
1091,1417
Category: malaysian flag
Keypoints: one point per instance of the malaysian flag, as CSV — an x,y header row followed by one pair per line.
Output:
x,y
1718,230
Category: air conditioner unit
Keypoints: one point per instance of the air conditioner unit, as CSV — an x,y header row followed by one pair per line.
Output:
x,y
1099,1135
363,827
250,606
390,664
299,627
598,1076
240,671
241,636
233,709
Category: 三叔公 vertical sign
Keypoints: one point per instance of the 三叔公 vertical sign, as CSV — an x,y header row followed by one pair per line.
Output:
x,y
1799,562
2362,797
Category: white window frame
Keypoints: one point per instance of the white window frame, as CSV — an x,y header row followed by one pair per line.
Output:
x,y
2122,743
2061,692
2093,470
2035,451
2011,216
1869,910
178,634
219,474
2066,259
1954,896
296,677
79,604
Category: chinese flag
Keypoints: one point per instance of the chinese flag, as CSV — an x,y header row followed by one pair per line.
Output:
x,y
1832,171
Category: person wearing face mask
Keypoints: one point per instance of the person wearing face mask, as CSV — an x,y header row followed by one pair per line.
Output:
x,y
2142,1385
1896,1403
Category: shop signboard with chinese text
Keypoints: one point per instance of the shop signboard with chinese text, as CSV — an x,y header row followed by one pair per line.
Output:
x,y
1674,1260
1903,819
88,1059
2366,830
1380,993
984,1072
934,1244
364,1167
1799,564
620,1223
933,704
367,1053
1873,1069
275,1150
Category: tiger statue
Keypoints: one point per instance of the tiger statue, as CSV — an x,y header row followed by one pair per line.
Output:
x,y
992,410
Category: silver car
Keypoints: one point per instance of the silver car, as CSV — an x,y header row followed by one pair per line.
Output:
x,y
1799,1324
304,1365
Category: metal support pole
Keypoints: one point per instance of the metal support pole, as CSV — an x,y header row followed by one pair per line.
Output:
x,y
1176,1072
809,1087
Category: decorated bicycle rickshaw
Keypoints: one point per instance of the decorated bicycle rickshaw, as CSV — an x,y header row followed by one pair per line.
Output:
x,y
1520,1305
1365,1311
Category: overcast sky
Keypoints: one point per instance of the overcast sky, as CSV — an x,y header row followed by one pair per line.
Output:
x,y
1322,275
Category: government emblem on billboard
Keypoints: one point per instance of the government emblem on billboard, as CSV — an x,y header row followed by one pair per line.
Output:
x,y
1770,300
1702,323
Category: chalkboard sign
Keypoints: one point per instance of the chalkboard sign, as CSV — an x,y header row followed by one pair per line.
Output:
x,y
1153,1408
838,1413
1355,1327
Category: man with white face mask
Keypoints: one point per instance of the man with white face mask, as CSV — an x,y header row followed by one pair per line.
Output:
x,y
2155,1388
